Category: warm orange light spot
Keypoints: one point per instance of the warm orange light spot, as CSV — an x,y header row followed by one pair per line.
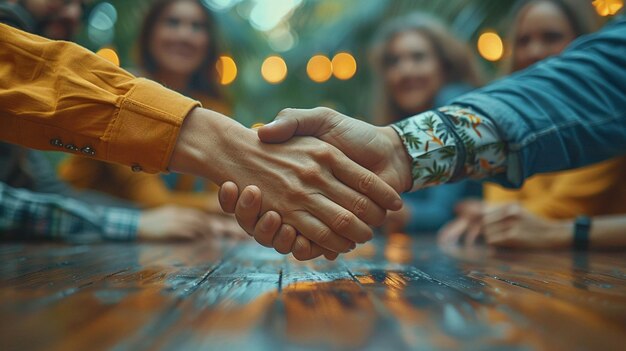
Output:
x,y
274,69
319,68
257,125
344,66
226,69
608,7
110,55
490,46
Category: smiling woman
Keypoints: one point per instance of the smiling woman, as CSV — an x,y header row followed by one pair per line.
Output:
x,y
178,47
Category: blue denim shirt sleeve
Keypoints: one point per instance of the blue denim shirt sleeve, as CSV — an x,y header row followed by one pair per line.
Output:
x,y
565,112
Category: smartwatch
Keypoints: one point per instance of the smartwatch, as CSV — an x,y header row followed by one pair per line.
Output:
x,y
582,227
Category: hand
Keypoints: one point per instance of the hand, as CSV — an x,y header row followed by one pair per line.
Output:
x,y
468,224
179,223
377,148
225,227
308,182
268,230
513,226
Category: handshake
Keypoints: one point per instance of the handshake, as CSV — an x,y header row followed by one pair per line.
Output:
x,y
312,182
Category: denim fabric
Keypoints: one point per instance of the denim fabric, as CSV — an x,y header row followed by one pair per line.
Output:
x,y
565,112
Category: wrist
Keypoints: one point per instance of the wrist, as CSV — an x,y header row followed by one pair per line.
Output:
x,y
561,234
203,138
399,157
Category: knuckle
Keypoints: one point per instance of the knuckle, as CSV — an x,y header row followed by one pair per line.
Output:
x,y
343,221
360,206
310,173
366,182
324,112
285,112
324,153
324,236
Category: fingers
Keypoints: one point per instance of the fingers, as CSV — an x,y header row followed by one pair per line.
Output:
x,y
284,239
303,249
453,231
367,183
360,205
291,122
267,227
474,231
319,233
501,213
248,208
228,196
340,221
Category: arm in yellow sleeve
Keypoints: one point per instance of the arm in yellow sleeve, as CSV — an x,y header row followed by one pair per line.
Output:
x,y
57,95
587,190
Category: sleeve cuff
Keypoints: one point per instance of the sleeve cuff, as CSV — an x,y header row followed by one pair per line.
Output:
x,y
509,127
146,126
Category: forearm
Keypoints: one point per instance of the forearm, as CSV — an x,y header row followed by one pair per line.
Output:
x,y
199,148
58,96
564,112
608,232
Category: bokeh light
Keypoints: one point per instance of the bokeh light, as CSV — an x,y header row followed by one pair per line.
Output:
x,y
608,7
110,55
274,69
226,69
344,66
490,46
101,23
319,68
267,14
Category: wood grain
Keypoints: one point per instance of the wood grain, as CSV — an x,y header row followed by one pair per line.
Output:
x,y
395,293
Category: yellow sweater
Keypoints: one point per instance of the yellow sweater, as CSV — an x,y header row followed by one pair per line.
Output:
x,y
594,190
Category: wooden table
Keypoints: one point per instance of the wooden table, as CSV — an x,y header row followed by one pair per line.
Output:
x,y
395,293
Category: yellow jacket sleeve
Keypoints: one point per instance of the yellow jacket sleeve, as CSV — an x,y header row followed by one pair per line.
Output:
x,y
57,95
589,190
592,190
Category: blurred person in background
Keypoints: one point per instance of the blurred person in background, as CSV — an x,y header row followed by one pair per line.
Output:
x,y
35,204
542,28
420,66
178,47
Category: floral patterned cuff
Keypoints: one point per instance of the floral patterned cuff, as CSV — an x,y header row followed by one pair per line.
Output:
x,y
449,144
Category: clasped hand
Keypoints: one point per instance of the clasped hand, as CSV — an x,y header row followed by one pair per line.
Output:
x,y
322,201
378,149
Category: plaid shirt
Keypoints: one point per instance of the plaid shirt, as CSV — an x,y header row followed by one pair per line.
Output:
x,y
36,215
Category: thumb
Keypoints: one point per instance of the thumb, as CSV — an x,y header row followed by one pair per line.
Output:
x,y
291,122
